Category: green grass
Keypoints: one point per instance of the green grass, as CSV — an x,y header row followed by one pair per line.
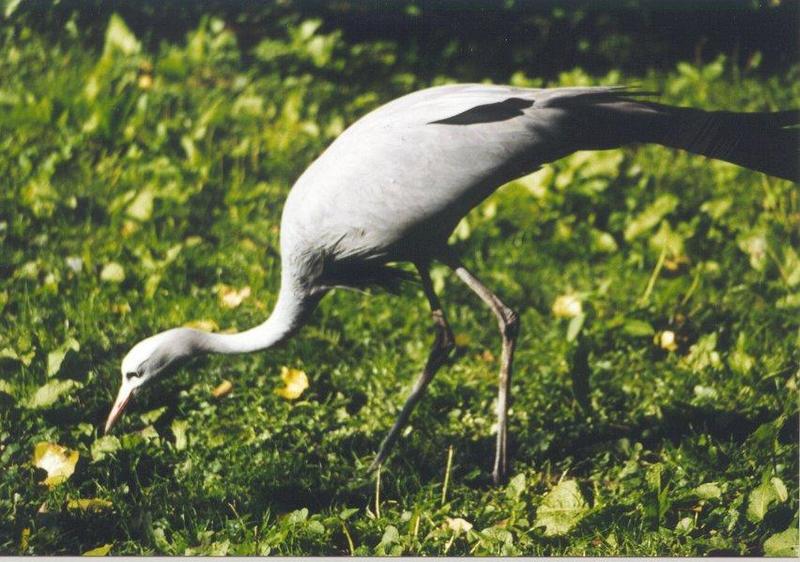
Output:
x,y
174,165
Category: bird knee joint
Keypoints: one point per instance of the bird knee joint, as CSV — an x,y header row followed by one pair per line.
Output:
x,y
447,341
510,323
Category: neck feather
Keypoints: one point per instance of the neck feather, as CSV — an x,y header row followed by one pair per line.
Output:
x,y
291,312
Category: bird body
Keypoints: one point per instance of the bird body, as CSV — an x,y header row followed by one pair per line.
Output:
x,y
395,184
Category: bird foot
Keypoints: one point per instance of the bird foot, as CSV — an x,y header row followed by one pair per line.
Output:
x,y
499,477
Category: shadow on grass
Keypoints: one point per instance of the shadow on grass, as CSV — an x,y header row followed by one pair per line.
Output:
x,y
677,422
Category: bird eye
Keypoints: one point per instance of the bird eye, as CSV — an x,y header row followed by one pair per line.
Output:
x,y
131,376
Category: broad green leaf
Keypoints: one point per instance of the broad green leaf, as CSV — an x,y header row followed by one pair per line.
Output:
x,y
786,543
703,354
59,462
498,534
634,327
705,393
296,382
651,216
347,512
390,536
739,361
561,509
112,272
755,245
48,394
791,266
780,489
667,240
297,516
715,208
56,357
604,242
89,504
764,497
153,415
40,196
788,301
516,486
6,387
708,491
538,182
462,231
11,7
685,525
149,433
25,358
104,446
574,327
141,208
458,525
179,428
120,38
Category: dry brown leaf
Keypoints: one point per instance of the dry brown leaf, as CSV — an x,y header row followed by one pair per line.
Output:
x,y
296,382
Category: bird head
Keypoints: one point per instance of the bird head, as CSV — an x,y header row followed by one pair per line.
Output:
x,y
147,360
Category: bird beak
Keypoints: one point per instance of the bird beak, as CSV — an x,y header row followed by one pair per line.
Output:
x,y
123,397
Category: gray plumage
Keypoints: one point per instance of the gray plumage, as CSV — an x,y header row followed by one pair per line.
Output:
x,y
394,185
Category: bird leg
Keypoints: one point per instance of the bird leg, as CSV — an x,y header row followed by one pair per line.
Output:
x,y
508,320
442,346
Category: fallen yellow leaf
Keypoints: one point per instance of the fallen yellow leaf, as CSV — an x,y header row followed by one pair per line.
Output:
x,y
223,389
112,273
90,504
205,325
666,340
24,538
145,81
296,382
230,297
567,306
58,461
101,550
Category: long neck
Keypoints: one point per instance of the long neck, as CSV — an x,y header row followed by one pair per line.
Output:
x,y
288,316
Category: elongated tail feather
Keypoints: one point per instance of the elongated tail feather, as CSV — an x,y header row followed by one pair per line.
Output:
x,y
766,142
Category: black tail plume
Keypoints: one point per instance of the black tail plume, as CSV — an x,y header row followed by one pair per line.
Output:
x,y
767,142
